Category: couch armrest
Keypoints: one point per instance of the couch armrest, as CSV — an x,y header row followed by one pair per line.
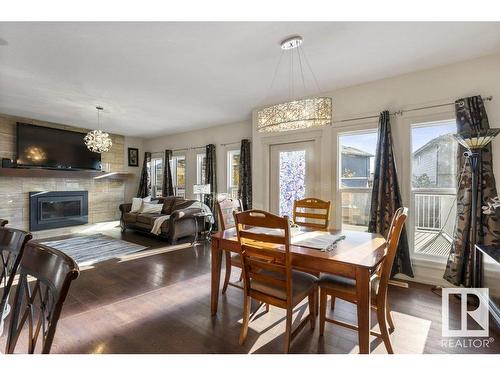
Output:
x,y
125,207
184,213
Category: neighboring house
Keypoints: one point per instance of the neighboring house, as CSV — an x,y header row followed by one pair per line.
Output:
x,y
433,163
355,166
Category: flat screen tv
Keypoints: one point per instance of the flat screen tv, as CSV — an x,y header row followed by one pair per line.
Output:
x,y
42,147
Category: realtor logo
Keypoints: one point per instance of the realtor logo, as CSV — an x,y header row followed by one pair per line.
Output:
x,y
479,315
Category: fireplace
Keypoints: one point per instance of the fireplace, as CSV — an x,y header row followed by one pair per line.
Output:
x,y
57,209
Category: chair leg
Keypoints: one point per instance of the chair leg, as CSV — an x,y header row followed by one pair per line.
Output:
x,y
332,306
322,310
227,277
389,318
381,317
288,331
247,303
312,309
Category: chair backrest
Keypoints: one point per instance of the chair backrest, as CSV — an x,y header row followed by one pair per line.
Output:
x,y
45,275
265,246
225,206
3,222
398,221
312,213
12,244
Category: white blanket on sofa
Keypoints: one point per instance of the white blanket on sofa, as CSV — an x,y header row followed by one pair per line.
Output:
x,y
157,224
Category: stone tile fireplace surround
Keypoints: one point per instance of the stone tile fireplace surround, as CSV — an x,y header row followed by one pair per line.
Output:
x,y
104,196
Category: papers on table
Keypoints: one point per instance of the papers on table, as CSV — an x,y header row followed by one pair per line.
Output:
x,y
320,240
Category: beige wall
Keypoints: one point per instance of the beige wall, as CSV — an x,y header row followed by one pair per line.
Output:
x,y
104,195
195,141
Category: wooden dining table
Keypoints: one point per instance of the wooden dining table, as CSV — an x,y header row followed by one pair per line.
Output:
x,y
357,257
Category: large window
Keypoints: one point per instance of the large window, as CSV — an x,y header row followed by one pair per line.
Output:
x,y
201,168
356,159
157,175
433,174
179,175
233,172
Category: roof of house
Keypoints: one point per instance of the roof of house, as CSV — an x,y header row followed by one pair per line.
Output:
x,y
433,142
348,150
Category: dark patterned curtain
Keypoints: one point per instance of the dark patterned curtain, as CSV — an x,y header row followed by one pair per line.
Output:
x,y
471,116
386,196
245,182
145,181
168,187
211,177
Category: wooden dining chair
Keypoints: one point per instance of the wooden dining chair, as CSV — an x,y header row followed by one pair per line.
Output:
x,y
345,288
267,270
12,244
3,222
225,206
45,275
312,213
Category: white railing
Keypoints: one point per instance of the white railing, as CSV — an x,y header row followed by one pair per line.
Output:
x,y
434,211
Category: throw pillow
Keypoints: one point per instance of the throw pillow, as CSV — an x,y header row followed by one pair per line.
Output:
x,y
137,204
151,208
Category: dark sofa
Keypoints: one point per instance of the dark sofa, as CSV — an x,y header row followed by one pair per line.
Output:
x,y
180,224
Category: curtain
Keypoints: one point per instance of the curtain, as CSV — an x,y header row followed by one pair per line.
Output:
x,y
145,181
211,177
168,187
386,196
245,181
471,116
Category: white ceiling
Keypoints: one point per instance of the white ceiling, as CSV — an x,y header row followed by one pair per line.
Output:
x,y
161,78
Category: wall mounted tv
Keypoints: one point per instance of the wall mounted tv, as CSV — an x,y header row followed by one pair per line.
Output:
x,y
42,147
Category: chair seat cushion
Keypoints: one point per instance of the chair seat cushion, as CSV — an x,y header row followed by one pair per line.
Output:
x,y
130,217
302,284
147,218
345,284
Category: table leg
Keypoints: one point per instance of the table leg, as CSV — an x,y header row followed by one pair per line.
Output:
x,y
216,266
363,290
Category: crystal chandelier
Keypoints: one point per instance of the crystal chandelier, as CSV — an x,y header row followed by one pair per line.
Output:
x,y
300,113
97,140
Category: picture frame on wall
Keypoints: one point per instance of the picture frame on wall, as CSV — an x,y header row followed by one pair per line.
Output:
x,y
133,157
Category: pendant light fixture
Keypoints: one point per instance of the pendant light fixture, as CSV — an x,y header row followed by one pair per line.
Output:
x,y
97,140
296,113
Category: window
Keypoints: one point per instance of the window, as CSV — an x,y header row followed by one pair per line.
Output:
x,y
179,175
233,172
433,183
156,176
201,168
356,165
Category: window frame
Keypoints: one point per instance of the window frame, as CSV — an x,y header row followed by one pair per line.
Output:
x,y
154,178
362,129
173,168
229,171
421,122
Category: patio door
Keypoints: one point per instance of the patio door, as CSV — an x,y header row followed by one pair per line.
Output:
x,y
292,175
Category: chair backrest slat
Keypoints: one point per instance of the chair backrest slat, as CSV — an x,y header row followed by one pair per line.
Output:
x,y
40,307
266,258
395,230
311,208
225,206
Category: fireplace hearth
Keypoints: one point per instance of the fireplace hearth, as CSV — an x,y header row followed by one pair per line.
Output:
x,y
58,209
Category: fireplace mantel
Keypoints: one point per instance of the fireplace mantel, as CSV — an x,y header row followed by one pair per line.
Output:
x,y
55,173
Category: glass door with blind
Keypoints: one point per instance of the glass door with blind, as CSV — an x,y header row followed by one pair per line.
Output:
x,y
292,175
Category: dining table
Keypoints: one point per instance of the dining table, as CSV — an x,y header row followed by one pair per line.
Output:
x,y
357,256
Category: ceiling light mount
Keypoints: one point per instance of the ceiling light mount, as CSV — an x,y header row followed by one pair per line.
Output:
x,y
291,42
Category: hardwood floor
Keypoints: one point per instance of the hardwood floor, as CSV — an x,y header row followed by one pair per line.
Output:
x,y
158,301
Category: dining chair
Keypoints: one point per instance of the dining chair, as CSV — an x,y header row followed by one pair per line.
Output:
x,y
12,244
225,206
312,213
268,276
45,276
3,222
345,288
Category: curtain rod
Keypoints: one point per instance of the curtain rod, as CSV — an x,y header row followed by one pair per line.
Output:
x,y
400,112
199,147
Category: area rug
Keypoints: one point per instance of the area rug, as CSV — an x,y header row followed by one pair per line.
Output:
x,y
88,250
